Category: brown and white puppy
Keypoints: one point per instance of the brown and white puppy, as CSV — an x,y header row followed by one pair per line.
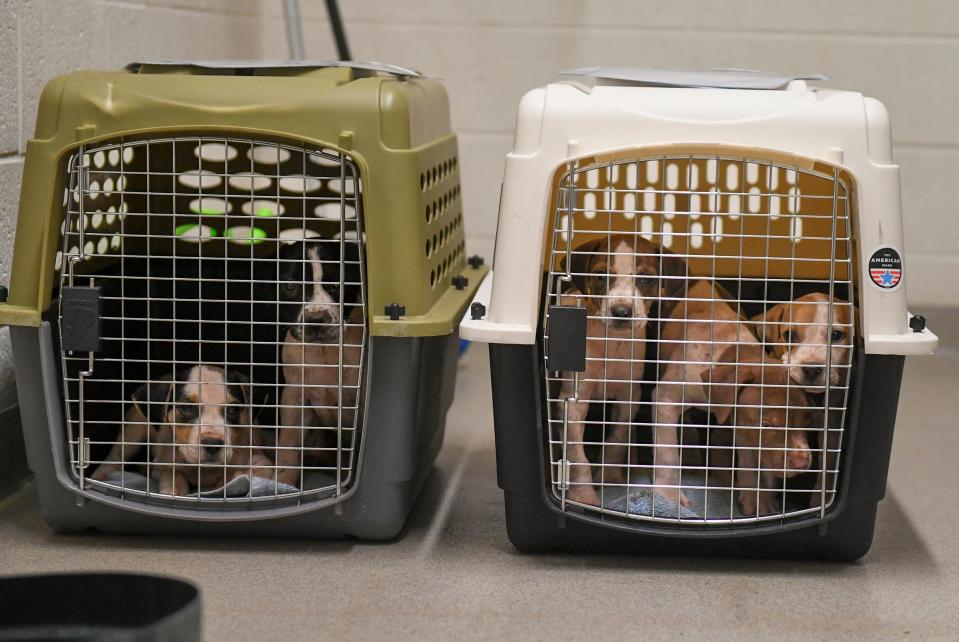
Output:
x,y
699,336
199,429
619,279
798,333
320,293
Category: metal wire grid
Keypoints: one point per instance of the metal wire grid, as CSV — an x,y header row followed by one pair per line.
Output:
x,y
613,401
185,237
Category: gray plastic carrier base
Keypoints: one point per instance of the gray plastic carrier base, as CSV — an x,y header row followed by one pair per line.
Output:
x,y
410,390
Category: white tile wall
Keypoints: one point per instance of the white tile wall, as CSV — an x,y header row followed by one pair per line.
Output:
x,y
490,53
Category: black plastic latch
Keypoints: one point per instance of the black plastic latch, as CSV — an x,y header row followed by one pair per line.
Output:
x,y
477,311
80,318
566,347
460,282
4,293
475,261
394,311
917,323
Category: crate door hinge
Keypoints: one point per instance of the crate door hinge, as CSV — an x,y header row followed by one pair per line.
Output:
x,y
80,323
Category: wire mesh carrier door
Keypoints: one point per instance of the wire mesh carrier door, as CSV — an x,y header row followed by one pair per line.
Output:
x,y
698,326
229,365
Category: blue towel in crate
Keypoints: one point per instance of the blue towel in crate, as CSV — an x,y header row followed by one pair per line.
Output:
x,y
242,486
642,500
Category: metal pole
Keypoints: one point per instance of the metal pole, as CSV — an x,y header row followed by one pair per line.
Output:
x,y
294,28
336,23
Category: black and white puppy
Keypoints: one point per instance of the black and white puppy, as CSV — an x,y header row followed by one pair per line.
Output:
x,y
310,274
314,281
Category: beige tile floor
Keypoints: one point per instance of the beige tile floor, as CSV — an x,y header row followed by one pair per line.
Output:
x,y
454,575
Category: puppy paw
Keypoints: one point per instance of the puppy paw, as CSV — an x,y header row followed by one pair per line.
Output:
x,y
584,494
674,495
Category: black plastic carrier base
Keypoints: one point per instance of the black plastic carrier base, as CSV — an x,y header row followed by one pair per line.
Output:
x,y
536,524
410,391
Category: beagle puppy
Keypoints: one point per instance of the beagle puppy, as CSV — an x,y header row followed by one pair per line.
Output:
x,y
313,404
712,361
199,429
799,334
619,279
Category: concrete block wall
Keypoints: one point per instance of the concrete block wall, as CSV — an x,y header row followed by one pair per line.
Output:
x,y
490,53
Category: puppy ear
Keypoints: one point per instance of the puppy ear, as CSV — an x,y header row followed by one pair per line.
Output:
x,y
241,382
672,265
581,258
730,377
151,398
767,327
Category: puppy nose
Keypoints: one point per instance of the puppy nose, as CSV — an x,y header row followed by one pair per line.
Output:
x,y
621,311
211,445
799,460
812,372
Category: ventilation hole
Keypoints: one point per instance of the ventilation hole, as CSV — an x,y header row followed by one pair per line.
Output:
x,y
696,235
774,206
773,173
331,211
711,171
791,176
325,161
797,229
199,179
262,207
422,182
350,235
76,194
121,183
695,205
96,221
592,179
693,176
589,205
652,172
338,186
268,154
124,208
669,206
66,196
215,152
733,206
754,200
116,242
631,176
113,156
732,176
297,234
435,240
127,155
646,227
63,228
717,229
108,187
74,251
245,235
299,184
429,248
667,235
752,173
58,261
193,233
210,206
649,200
103,245
672,176
713,199
249,182
432,278
94,191
111,217
564,226
99,159
793,200
88,248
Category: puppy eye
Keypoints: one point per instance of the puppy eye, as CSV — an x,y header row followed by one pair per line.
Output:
x,y
233,414
185,413
790,336
290,287
838,335
645,281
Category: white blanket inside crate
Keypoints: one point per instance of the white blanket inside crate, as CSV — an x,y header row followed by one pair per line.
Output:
x,y
242,486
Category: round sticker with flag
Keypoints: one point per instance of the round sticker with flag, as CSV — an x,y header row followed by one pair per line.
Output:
x,y
885,268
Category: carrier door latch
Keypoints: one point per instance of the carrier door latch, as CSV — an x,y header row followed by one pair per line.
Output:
x,y
566,346
80,318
